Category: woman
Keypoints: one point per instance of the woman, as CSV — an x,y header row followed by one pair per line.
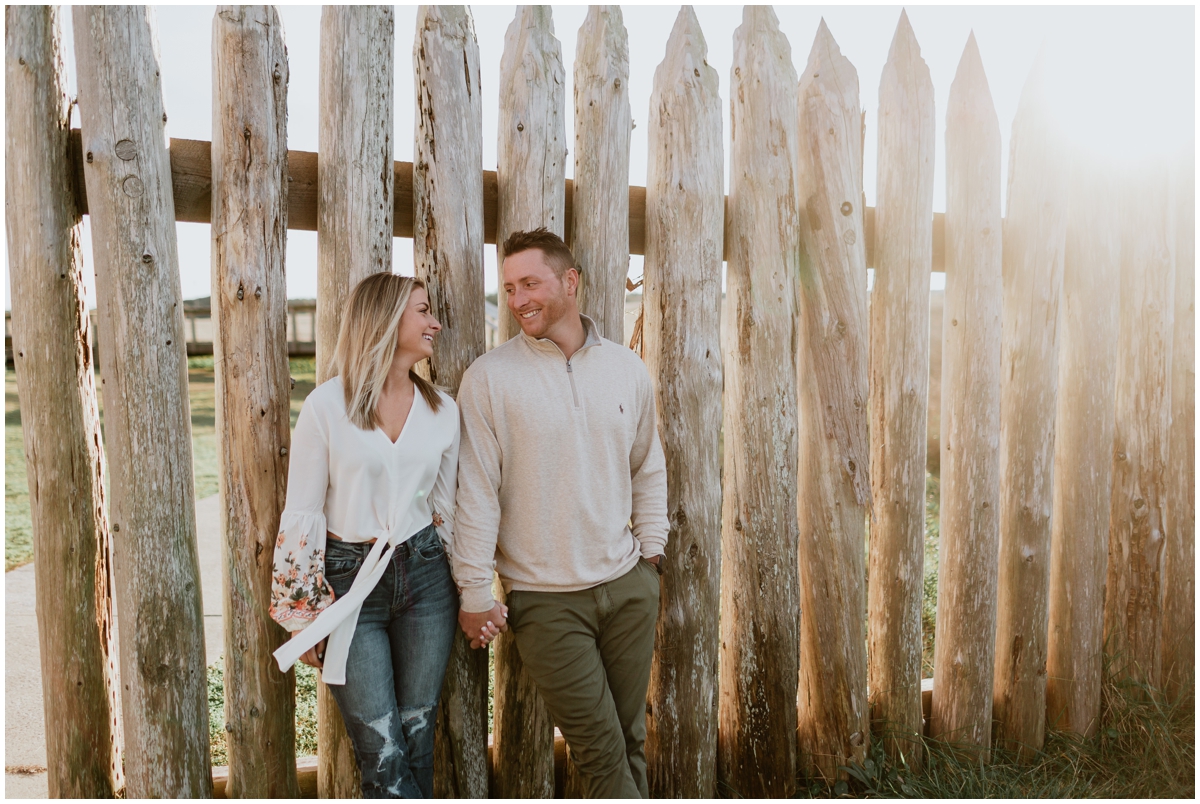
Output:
x,y
360,555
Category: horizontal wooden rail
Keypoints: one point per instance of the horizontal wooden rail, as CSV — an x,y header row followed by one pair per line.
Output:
x,y
191,178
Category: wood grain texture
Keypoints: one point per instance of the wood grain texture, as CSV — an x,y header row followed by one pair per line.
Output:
x,y
1136,528
603,127
355,184
148,433
964,651
760,593
448,256
253,408
1034,241
899,385
834,492
60,422
1179,576
532,155
1083,450
684,234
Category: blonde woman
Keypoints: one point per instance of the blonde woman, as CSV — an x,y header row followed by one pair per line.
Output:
x,y
361,558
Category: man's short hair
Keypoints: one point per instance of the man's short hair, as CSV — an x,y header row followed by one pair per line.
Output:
x,y
558,256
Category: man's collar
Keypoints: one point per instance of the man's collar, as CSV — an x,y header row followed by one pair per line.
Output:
x,y
591,337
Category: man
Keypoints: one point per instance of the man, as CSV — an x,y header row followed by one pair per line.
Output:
x,y
562,484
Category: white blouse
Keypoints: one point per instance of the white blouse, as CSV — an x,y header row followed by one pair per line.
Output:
x,y
359,485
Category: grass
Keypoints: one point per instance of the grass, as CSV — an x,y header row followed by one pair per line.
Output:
x,y
306,711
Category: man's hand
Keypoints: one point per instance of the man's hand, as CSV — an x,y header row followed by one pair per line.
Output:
x,y
655,560
481,627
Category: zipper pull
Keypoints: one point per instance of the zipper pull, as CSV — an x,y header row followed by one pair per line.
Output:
x,y
568,366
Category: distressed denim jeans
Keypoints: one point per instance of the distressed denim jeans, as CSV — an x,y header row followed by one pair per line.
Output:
x,y
397,662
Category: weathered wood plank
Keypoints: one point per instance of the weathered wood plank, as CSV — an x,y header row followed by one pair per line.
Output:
x,y
253,408
1034,241
60,421
682,303
899,379
961,711
144,380
448,256
1179,576
1083,451
760,593
834,491
603,127
1133,588
354,219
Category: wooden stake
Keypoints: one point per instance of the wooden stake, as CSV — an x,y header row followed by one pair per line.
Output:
x,y
448,255
1179,576
961,709
603,126
1133,590
1083,452
1034,241
148,432
834,490
63,458
684,233
531,158
354,217
899,356
759,575
253,408
530,173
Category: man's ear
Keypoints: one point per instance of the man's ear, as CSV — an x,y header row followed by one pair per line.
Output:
x,y
571,278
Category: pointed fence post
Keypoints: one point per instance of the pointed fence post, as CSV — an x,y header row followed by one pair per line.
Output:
x,y
1083,451
59,418
354,220
684,241
253,407
448,255
899,355
530,174
1133,590
760,592
834,487
1179,561
603,126
1034,241
147,429
961,710
531,160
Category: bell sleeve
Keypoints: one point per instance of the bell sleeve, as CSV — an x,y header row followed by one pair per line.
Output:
x,y
299,591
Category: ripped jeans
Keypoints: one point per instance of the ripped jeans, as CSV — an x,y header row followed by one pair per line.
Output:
x,y
397,662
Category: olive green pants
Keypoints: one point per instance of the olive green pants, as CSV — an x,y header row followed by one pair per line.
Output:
x,y
589,654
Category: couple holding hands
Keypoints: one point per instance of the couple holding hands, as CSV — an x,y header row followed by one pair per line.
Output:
x,y
401,504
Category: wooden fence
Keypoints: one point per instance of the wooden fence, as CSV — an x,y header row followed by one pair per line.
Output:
x,y
780,651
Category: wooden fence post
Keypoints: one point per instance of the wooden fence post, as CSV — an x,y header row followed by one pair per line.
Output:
x,y
531,160
448,255
253,408
760,593
1133,591
147,427
603,126
685,223
899,358
63,458
1034,241
834,488
354,221
1083,452
961,710
1179,562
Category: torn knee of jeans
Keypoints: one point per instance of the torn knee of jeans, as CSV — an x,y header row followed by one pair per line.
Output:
x,y
383,727
417,719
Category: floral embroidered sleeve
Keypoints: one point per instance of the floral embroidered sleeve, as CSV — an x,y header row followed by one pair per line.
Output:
x,y
299,591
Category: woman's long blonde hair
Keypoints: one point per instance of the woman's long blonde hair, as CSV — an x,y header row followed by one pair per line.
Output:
x,y
367,343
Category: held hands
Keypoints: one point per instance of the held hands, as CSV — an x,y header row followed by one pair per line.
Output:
x,y
481,627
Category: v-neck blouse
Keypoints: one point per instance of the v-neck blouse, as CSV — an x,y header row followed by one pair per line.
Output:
x,y
359,485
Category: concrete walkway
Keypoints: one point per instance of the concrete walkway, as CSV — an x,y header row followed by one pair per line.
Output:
x,y
24,724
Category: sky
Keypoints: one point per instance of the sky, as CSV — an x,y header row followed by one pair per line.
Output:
x,y
1124,77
